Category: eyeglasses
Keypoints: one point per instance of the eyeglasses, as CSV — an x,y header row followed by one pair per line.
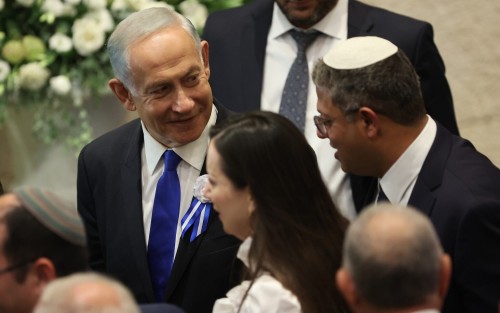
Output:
x,y
322,124
14,267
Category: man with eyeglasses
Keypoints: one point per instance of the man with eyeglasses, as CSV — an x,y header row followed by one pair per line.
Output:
x,y
372,112
41,239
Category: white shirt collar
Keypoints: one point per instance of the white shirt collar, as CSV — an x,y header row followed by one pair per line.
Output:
x,y
243,251
193,153
334,24
403,173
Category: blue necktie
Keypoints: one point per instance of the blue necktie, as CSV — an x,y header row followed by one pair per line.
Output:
x,y
294,98
161,245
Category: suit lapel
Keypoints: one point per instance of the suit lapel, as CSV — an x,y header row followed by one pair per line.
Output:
x,y
359,22
133,217
254,41
431,175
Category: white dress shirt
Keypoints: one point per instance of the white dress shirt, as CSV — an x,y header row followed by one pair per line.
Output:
x,y
267,294
281,51
193,156
399,180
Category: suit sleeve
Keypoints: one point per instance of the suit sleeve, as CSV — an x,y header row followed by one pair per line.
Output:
x,y
435,89
87,211
477,258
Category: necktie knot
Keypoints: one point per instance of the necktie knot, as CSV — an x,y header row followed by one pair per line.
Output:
x,y
171,160
303,40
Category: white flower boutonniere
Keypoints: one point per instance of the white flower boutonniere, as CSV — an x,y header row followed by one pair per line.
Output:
x,y
199,188
196,218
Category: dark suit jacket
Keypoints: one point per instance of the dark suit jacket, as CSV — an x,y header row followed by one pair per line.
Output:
x,y
459,189
238,38
109,201
159,308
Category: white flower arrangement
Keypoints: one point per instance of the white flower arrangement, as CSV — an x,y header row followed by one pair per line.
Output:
x,y
53,56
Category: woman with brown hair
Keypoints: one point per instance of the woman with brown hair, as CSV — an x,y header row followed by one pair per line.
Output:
x,y
265,183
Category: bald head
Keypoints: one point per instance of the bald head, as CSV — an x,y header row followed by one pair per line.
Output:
x,y
394,258
86,292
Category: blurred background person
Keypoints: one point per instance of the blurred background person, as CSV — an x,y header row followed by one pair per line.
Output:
x,y
41,238
86,293
265,183
393,263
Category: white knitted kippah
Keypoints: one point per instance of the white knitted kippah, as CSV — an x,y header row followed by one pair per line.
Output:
x,y
359,52
53,213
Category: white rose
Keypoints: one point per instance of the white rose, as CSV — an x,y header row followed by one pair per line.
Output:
x,y
69,10
60,43
73,2
32,76
60,84
102,18
2,4
154,4
55,7
95,4
136,4
26,3
119,5
87,36
194,11
4,70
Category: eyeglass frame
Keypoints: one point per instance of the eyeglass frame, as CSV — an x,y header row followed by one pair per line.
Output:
x,y
321,124
16,266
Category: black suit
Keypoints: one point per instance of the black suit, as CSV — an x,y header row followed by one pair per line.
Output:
x,y
459,189
238,39
110,203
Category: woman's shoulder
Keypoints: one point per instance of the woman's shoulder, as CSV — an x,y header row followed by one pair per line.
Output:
x,y
267,294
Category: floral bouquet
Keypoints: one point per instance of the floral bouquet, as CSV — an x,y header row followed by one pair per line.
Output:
x,y
53,56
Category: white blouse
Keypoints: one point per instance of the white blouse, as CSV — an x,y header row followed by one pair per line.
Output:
x,y
267,294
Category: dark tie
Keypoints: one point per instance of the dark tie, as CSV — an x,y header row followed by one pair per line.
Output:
x,y
161,245
381,195
294,97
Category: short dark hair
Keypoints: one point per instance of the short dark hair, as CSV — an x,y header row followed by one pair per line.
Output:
x,y
393,270
27,240
297,230
390,87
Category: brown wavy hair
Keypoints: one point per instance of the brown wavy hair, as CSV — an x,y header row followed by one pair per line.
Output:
x,y
297,230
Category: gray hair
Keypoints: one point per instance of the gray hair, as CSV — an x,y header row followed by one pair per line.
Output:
x,y
393,255
67,295
137,26
390,87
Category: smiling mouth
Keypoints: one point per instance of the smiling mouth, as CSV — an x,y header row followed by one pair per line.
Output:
x,y
183,121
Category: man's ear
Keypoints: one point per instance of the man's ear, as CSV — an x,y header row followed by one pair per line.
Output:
x,y
346,286
205,57
370,121
122,93
41,273
444,275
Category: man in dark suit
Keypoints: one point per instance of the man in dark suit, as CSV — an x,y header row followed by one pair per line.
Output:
x,y
251,51
372,111
161,71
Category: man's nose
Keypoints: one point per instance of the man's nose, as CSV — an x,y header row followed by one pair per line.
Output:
x,y
183,102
